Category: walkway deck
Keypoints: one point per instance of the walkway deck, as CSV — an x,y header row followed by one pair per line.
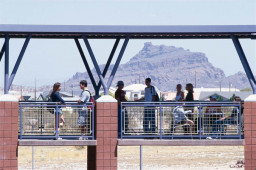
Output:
x,y
29,142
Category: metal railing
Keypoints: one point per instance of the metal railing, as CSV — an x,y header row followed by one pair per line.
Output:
x,y
171,120
48,120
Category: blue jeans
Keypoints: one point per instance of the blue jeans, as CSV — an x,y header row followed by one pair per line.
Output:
x,y
219,124
149,121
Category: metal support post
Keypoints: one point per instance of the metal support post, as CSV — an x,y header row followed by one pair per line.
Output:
x,y
244,62
108,62
117,62
14,71
140,157
6,66
2,51
86,64
96,66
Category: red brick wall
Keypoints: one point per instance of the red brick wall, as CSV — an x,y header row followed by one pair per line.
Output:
x,y
250,135
8,135
104,155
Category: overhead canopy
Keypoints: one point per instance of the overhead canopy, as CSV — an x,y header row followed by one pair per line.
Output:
x,y
135,32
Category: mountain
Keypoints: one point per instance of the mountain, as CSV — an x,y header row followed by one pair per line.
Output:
x,y
168,66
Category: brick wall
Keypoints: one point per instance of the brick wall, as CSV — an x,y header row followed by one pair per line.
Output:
x,y
8,135
104,155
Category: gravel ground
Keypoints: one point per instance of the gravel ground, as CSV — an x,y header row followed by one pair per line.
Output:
x,y
160,157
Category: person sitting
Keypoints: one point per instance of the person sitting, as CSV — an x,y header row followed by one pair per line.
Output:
x,y
180,118
212,113
232,119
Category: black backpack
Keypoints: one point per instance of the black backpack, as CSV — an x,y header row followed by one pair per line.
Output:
x,y
50,106
157,99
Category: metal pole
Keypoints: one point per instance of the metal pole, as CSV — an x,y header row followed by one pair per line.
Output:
x,y
244,62
86,64
6,68
108,63
96,66
117,62
140,157
2,51
18,61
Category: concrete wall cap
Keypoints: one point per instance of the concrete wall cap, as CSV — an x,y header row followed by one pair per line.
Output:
x,y
106,98
8,98
251,98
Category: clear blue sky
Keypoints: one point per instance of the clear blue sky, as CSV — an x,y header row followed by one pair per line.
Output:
x,y
57,60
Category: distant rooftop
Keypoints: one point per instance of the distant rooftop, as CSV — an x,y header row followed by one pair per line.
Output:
x,y
135,31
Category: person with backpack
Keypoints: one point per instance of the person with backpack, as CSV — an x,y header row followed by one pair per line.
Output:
x,y
120,97
149,121
55,97
83,114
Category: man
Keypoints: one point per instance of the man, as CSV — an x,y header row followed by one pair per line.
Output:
x,y
149,123
120,97
232,119
83,114
212,114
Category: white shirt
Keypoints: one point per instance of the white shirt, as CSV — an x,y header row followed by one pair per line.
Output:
x,y
85,96
149,93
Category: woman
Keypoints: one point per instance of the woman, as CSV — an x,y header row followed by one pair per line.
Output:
x,y
56,98
180,93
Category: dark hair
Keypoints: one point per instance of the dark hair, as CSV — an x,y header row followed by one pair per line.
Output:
x,y
55,87
83,82
190,86
237,98
148,79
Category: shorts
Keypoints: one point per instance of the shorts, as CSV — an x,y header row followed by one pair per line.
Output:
x,y
82,118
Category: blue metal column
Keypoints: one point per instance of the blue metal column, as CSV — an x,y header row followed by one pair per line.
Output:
x,y
117,62
86,64
245,63
14,71
2,51
108,63
6,65
95,64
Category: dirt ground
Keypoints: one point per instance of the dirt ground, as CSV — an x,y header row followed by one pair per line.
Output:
x,y
154,158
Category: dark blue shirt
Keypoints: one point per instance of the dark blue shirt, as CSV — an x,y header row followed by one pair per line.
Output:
x,y
56,97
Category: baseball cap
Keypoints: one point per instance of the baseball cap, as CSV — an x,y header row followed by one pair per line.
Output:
x,y
120,83
214,97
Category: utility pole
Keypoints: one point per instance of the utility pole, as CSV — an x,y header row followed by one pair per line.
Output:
x,y
35,89
195,79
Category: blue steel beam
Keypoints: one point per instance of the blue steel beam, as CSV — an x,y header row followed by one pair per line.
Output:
x,y
244,62
17,64
2,51
86,64
96,66
6,64
108,62
117,62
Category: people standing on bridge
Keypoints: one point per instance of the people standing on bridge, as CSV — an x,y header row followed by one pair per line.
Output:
x,y
55,97
180,93
149,121
120,97
83,113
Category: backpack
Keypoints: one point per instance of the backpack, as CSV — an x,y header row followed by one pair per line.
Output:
x,y
50,107
157,99
91,100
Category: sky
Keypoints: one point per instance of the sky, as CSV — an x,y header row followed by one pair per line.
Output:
x,y
50,61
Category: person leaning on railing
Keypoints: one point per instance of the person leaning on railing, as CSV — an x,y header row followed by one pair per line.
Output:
x,y
189,98
120,97
232,119
56,98
83,113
